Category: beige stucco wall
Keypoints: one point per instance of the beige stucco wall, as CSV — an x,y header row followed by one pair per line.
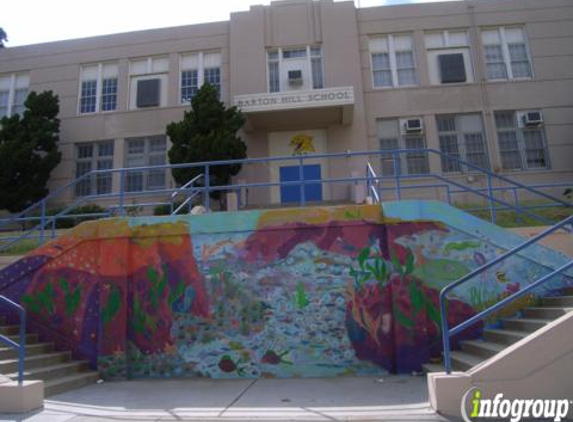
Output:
x,y
343,32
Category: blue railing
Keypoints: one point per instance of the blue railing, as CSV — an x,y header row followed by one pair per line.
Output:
x,y
447,333
21,345
188,188
398,182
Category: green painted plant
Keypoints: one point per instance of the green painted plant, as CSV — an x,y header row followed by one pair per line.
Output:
x,y
158,285
369,267
72,298
41,300
112,306
301,297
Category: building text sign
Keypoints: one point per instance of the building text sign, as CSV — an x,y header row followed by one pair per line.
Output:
x,y
295,99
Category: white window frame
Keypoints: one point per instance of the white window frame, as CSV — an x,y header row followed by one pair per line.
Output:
x,y
453,49
308,63
149,73
506,56
12,90
200,73
401,140
95,158
519,130
146,155
461,143
392,60
99,88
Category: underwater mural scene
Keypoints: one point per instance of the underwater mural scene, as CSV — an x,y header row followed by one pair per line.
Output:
x,y
315,292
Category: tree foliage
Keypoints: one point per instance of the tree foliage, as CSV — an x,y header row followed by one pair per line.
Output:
x,y
3,37
208,132
29,151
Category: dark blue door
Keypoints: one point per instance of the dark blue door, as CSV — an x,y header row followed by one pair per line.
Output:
x,y
313,191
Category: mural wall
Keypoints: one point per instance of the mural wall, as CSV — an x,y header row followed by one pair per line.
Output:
x,y
284,293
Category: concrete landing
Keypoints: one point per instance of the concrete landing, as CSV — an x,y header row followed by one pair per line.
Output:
x,y
394,398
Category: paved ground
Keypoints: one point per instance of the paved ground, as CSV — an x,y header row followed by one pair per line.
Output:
x,y
336,399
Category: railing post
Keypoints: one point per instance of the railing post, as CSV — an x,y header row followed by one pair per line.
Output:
x,y
207,186
516,201
22,347
121,192
448,194
53,228
445,333
490,199
42,222
301,180
397,174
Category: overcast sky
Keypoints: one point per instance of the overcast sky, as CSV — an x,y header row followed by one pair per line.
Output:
x,y
36,21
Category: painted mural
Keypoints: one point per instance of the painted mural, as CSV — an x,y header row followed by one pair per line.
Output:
x,y
285,293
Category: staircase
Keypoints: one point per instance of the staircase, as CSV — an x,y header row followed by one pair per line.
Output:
x,y
474,352
57,369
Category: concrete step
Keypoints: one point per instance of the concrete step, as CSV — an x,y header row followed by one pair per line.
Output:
x,y
503,336
484,349
524,324
433,367
36,361
463,361
9,329
561,301
543,312
30,338
53,372
31,350
70,382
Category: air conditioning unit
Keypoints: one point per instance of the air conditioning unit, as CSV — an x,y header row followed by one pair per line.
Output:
x,y
531,118
295,77
410,126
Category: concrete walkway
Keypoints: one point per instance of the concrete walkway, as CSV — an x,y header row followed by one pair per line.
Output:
x,y
336,399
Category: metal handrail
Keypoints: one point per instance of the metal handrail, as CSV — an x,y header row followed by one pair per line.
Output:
x,y
398,178
185,188
370,186
21,345
447,333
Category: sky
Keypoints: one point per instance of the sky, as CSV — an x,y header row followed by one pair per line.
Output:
x,y
36,21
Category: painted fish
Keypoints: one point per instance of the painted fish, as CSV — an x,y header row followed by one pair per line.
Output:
x,y
501,277
226,364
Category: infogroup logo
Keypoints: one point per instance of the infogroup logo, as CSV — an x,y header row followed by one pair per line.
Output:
x,y
513,410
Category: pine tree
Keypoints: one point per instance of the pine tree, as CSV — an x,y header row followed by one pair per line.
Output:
x,y
29,151
208,132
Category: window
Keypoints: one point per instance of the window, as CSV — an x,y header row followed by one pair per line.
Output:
x,y
305,62
520,147
449,57
143,152
393,61
392,135
13,94
197,69
506,53
94,156
462,137
148,82
98,88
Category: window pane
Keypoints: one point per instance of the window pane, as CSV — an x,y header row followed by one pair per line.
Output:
x,y
417,163
381,61
292,54
534,148
103,181
213,76
407,77
88,97
476,153
274,77
494,62
449,145
404,60
83,187
157,145
189,86
387,160
85,151
19,98
105,149
381,72
505,120
520,65
406,68
446,124
109,95
135,146
4,96
317,78
273,55
382,78
316,51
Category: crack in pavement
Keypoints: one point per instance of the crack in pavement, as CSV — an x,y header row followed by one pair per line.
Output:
x,y
253,382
